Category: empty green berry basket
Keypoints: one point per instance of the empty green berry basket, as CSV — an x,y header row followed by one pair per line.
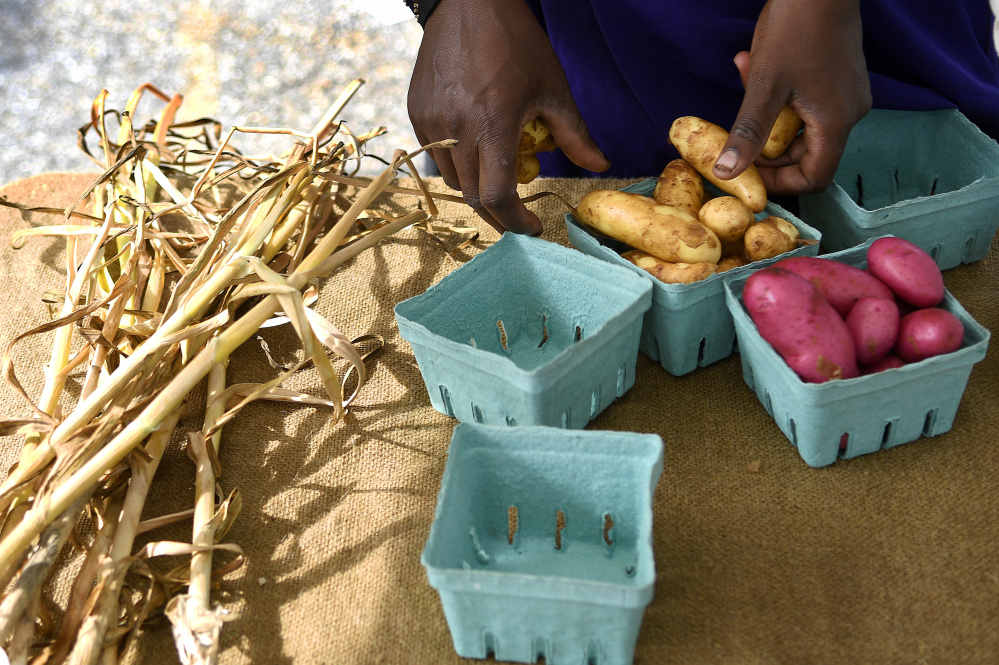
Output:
x,y
869,412
541,546
688,325
527,333
931,177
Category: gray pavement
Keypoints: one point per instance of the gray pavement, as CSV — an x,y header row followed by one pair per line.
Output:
x,y
246,62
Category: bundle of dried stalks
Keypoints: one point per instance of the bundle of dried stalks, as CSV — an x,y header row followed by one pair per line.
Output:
x,y
162,285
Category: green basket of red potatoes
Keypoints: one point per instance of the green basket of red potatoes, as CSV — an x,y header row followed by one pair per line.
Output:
x,y
684,231
857,350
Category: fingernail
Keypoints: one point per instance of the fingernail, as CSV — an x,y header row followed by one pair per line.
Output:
x,y
727,161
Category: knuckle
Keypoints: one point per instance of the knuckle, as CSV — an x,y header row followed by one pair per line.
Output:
x,y
749,130
496,200
473,200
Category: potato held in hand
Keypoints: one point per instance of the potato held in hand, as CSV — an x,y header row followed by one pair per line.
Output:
x,y
534,139
662,231
784,130
700,142
670,273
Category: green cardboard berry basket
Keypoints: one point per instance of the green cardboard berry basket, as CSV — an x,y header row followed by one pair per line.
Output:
x,y
527,333
688,325
872,412
931,177
541,544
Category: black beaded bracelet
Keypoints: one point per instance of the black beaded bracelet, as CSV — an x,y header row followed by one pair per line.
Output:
x,y
421,9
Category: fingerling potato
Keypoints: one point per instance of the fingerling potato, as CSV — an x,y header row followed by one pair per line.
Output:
x,y
734,261
770,237
700,142
663,231
680,185
670,273
729,218
534,138
785,128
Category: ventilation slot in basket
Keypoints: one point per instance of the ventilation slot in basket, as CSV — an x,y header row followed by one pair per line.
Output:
x,y
541,649
700,351
592,654
511,524
969,248
559,526
887,433
446,398
489,644
929,425
622,377
480,553
502,334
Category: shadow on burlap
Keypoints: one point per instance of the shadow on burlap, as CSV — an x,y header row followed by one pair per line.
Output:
x,y
887,558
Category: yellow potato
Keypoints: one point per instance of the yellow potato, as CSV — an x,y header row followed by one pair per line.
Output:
x,y
785,129
534,139
700,142
680,186
671,273
729,218
528,168
665,232
734,261
770,237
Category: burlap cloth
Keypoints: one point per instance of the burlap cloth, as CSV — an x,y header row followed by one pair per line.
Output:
x,y
887,558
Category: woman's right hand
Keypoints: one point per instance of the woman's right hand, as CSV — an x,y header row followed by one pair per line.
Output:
x,y
485,69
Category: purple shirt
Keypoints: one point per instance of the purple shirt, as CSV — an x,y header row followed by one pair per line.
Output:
x,y
633,67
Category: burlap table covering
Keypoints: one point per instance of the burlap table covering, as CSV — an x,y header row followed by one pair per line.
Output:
x,y
887,558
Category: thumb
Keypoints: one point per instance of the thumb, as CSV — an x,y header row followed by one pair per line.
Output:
x,y
742,64
572,135
760,108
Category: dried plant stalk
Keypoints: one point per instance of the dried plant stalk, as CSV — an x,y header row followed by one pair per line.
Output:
x,y
165,280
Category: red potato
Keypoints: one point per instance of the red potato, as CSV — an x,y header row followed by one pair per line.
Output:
x,y
873,322
801,325
928,332
840,283
909,272
891,361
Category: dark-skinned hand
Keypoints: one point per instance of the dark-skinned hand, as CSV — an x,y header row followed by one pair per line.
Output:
x,y
807,55
485,68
